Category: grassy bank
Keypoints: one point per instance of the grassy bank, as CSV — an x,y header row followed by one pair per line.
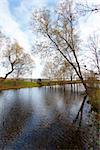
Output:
x,y
16,84
95,99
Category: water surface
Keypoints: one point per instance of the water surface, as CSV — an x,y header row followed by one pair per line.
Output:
x,y
42,118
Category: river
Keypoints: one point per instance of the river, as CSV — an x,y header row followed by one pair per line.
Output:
x,y
42,118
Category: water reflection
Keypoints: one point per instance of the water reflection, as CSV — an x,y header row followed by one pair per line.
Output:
x,y
39,118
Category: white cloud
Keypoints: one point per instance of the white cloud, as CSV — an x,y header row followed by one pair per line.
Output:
x,y
89,25
24,11
13,24
9,25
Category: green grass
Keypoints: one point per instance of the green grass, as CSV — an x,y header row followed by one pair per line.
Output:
x,y
95,99
16,84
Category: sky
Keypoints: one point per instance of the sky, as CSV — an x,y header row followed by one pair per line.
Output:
x,y
15,18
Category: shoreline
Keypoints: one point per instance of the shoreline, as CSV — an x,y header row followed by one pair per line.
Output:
x,y
9,84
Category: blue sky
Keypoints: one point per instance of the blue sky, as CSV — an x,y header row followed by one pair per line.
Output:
x,y
21,10
14,3
14,22
15,17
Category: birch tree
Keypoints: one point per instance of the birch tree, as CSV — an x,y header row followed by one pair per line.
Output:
x,y
60,29
94,47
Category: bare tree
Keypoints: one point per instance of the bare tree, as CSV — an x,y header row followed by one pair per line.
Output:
x,y
48,70
62,71
84,9
94,48
24,67
56,68
16,61
61,31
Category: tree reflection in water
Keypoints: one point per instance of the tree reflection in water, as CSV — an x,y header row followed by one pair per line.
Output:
x,y
42,118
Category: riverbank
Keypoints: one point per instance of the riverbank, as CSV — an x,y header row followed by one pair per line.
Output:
x,y
16,84
95,99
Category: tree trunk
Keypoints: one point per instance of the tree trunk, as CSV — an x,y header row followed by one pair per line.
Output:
x,y
71,83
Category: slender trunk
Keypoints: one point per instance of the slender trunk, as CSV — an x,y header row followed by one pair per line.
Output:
x,y
71,83
12,69
8,74
78,72
97,60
